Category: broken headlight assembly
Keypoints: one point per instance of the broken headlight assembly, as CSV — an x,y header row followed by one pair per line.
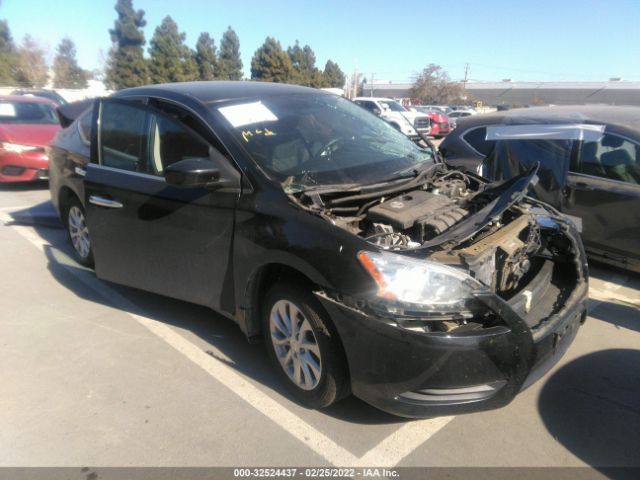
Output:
x,y
416,291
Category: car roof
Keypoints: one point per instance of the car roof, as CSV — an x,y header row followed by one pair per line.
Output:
x,y
626,117
25,99
217,91
379,99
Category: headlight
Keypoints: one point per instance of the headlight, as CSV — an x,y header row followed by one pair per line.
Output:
x,y
16,148
429,285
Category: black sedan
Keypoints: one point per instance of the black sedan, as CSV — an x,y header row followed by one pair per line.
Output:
x,y
590,167
366,264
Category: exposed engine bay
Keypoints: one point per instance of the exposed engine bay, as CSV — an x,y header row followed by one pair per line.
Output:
x,y
427,218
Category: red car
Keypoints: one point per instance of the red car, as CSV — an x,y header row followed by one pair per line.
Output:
x,y
440,125
27,125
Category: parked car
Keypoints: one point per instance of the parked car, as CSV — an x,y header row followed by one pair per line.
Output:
x,y
441,108
27,125
440,124
596,180
366,265
412,124
55,97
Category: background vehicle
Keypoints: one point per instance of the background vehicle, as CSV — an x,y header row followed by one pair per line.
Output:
x,y
440,124
439,108
365,264
55,97
402,119
597,182
27,125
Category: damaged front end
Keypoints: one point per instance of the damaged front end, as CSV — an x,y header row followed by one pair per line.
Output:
x,y
498,277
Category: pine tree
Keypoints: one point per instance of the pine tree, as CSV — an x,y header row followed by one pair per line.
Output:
x,y
66,71
170,59
303,61
206,57
230,64
333,75
32,68
8,57
270,63
126,66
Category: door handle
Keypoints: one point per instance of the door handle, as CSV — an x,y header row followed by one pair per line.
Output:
x,y
104,202
80,171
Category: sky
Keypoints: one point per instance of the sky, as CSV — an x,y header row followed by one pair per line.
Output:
x,y
526,40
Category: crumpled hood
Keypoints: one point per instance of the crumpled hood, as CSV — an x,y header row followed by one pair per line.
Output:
x,y
28,134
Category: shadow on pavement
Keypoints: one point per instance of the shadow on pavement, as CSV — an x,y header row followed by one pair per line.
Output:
x,y
592,407
213,329
619,313
24,186
40,215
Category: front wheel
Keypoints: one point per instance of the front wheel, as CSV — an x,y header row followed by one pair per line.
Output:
x,y
304,346
76,223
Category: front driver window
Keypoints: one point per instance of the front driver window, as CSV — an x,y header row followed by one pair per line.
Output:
x,y
612,157
137,139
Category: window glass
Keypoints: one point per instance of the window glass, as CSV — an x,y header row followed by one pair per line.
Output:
x,y
513,157
393,106
476,138
123,135
612,157
28,113
138,140
172,142
309,140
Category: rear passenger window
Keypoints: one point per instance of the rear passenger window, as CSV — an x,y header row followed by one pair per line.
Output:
x,y
613,157
477,139
123,137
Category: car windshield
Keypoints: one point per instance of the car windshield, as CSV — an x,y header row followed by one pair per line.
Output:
x,y
27,112
393,106
317,140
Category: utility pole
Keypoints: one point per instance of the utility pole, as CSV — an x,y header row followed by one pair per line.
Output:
x,y
373,75
466,77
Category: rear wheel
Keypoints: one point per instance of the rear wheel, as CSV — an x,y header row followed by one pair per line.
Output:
x,y
304,346
76,222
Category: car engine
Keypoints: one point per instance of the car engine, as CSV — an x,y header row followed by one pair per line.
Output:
x,y
503,254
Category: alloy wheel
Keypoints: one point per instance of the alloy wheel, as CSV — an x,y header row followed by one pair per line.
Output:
x,y
78,231
295,345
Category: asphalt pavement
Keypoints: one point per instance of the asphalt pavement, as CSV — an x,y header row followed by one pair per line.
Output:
x,y
93,373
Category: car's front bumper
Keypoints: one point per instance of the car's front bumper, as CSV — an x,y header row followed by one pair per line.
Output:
x,y
414,374
23,167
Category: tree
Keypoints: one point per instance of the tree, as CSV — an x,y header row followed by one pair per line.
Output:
x,y
170,59
303,61
206,57
32,68
126,66
66,71
333,76
433,86
8,58
270,63
230,64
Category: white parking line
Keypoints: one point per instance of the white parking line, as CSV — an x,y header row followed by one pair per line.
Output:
x,y
389,452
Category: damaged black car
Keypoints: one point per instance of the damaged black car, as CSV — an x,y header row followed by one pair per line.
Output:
x,y
366,264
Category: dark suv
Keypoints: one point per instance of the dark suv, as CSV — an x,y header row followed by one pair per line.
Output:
x,y
366,264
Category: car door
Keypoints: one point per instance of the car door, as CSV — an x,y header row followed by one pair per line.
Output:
x,y
148,234
603,189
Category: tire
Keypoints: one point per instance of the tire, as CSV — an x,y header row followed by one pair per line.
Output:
x,y
74,218
312,389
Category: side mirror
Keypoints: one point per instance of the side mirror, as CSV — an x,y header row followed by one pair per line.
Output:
x,y
377,111
192,173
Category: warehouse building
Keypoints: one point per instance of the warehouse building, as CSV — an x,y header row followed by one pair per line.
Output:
x,y
512,93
